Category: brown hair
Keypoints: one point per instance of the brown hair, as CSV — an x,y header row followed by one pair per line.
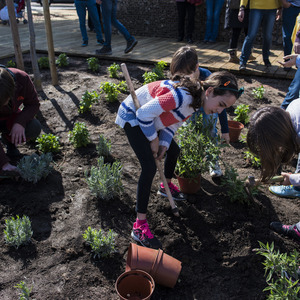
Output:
x,y
272,137
7,86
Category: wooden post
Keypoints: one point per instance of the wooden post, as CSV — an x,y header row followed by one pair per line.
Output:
x,y
51,53
15,34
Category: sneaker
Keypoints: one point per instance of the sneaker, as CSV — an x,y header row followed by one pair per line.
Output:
x,y
100,42
242,67
105,50
267,63
286,230
130,45
84,43
216,170
143,235
12,150
285,191
176,194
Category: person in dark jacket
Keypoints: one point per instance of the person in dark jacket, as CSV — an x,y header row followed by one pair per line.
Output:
x,y
18,105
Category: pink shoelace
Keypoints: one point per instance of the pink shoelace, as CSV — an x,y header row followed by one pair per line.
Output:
x,y
171,186
146,231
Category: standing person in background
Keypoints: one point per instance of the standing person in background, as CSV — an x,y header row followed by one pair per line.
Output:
x,y
213,11
261,13
90,23
109,14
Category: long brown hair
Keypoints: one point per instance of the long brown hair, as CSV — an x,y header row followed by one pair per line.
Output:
x,y
7,86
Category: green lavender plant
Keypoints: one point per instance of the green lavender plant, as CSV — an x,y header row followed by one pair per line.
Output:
x,y
111,90
24,291
113,70
150,77
259,92
102,244
159,69
48,143
251,159
93,64
242,113
103,147
10,64
104,180
79,136
87,100
34,167
17,231
62,60
43,62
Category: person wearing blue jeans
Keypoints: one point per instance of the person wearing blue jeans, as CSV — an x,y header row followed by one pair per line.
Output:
x,y
109,14
90,5
213,11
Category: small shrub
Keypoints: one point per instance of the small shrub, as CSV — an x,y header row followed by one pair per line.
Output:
x,y
62,60
114,70
48,143
10,64
88,99
103,147
79,136
259,92
159,69
17,231
25,291
242,114
111,90
122,86
93,64
104,180
251,159
150,77
103,245
44,62
33,168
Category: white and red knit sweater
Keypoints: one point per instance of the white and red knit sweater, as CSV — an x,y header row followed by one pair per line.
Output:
x,y
163,108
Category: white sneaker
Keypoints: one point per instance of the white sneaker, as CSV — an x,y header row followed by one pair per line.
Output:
x,y
216,171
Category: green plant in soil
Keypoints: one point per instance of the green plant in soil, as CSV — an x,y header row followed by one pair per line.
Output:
x,y
243,137
87,100
104,180
34,167
122,86
281,272
24,290
111,90
48,143
79,136
159,69
62,60
93,64
17,231
44,62
102,244
103,147
10,64
251,159
150,77
259,92
242,114
113,70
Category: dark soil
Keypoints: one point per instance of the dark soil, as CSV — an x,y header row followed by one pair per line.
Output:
x,y
214,238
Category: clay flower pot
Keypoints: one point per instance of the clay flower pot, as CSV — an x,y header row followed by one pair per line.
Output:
x,y
162,267
235,129
189,185
135,285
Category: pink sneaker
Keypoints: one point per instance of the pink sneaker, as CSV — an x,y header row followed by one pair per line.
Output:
x,y
176,193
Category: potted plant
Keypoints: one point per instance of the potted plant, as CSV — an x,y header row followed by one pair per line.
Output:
x,y
238,123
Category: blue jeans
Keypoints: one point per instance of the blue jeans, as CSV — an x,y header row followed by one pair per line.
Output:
x,y
289,16
81,6
293,92
213,11
257,17
109,14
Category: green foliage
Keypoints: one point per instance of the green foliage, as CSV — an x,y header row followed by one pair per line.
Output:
x,y
150,77
48,143
62,60
251,159
103,245
44,62
159,69
122,86
17,231
10,64
278,267
93,64
113,70
104,180
34,167
79,136
243,138
111,90
25,291
103,147
259,92
88,99
242,113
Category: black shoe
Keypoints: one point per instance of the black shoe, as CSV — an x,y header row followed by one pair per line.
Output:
x,y
287,230
100,42
243,67
130,45
84,43
176,194
267,63
105,50
190,41
12,150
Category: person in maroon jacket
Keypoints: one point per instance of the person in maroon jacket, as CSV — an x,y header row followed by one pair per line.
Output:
x,y
19,104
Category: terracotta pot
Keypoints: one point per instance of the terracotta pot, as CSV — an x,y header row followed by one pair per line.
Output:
x,y
135,285
162,267
235,129
189,185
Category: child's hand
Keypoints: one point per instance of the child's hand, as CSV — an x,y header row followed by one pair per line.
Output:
x,y
286,178
161,152
154,144
289,60
9,167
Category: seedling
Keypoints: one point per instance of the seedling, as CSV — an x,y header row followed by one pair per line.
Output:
x,y
62,60
111,90
122,86
251,159
159,69
242,113
114,70
10,64
79,136
17,231
150,77
48,143
25,291
104,180
103,245
43,62
33,168
93,64
259,92
103,147
88,99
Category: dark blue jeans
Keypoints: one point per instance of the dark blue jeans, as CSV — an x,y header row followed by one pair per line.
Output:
x,y
293,92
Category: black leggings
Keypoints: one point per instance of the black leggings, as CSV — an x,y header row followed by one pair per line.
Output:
x,y
141,147
235,37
